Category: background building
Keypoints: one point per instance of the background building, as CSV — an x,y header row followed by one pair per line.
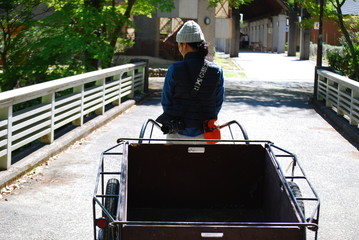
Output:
x,y
264,22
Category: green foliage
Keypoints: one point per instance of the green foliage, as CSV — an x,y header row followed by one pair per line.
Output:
x,y
56,47
351,22
313,7
233,3
16,16
148,7
332,10
122,44
342,61
307,23
79,36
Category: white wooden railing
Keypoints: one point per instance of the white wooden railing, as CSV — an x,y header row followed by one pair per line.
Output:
x,y
60,102
339,93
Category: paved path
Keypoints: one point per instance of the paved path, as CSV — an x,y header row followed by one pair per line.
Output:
x,y
272,103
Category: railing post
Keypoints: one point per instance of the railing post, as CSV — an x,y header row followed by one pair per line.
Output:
x,y
81,90
132,74
353,108
118,100
327,99
49,99
143,79
321,80
144,71
341,89
5,160
101,110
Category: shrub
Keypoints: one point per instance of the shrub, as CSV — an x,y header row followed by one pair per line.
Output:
x,y
338,58
342,61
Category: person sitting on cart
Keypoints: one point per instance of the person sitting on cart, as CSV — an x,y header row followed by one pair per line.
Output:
x,y
193,89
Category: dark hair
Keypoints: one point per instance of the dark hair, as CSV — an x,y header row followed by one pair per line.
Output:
x,y
201,47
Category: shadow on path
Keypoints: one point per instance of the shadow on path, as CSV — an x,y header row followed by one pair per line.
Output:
x,y
253,93
268,94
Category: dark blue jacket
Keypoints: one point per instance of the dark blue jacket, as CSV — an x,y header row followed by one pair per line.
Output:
x,y
177,100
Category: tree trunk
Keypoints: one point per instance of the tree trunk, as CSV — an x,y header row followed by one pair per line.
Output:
x,y
305,38
234,48
292,35
129,8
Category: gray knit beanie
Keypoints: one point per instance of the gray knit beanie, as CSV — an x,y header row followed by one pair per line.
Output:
x,y
190,32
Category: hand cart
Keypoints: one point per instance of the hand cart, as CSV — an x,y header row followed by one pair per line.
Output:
x,y
236,189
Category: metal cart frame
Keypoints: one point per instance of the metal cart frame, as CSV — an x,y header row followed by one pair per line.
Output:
x,y
115,221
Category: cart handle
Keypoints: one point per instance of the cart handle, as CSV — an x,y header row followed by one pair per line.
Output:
x,y
156,124
243,130
144,127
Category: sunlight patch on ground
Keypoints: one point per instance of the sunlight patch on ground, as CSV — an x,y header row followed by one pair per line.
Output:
x,y
230,68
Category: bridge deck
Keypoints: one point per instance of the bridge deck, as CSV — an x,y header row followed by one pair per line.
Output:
x,y
272,103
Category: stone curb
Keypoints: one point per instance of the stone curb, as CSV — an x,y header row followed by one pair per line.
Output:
x,y
26,164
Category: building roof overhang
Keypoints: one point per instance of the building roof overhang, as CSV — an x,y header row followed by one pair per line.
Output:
x,y
262,8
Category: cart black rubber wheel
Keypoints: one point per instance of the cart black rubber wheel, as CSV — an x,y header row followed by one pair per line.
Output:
x,y
112,188
297,193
